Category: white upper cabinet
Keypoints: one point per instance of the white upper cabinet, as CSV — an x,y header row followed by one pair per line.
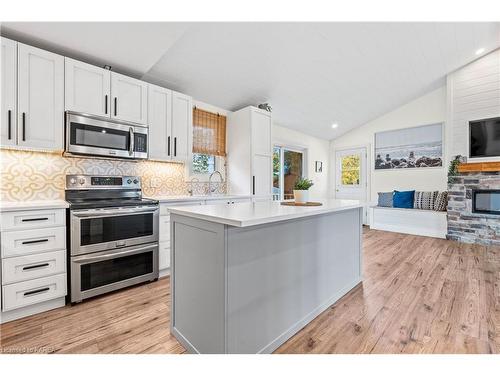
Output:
x,y
40,98
261,133
182,126
129,99
160,122
8,123
87,88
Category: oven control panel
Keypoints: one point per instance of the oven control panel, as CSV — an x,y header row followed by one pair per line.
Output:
x,y
102,182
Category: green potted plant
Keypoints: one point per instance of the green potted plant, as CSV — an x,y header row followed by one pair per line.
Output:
x,y
301,190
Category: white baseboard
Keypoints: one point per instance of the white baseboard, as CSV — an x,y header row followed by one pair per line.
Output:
x,y
22,312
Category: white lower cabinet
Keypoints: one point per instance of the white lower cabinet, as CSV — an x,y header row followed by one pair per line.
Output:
x,y
18,243
33,262
27,267
33,291
164,261
164,228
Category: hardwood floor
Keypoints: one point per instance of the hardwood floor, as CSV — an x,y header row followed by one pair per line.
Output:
x,y
419,295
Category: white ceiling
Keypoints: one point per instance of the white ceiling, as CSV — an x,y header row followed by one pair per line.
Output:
x,y
313,74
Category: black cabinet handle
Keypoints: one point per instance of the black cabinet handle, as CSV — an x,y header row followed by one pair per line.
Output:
x,y
175,146
27,268
168,146
35,241
116,104
36,291
10,125
36,219
24,126
253,185
105,104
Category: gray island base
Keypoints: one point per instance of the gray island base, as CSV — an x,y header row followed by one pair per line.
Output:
x,y
247,277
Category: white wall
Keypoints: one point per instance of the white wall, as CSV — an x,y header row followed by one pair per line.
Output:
x,y
317,150
427,109
473,93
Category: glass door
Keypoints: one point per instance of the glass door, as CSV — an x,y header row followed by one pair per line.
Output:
x,y
288,167
350,176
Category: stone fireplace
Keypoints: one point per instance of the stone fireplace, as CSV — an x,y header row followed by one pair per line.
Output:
x,y
474,208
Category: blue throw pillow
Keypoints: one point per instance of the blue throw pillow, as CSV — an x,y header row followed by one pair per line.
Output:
x,y
385,199
403,199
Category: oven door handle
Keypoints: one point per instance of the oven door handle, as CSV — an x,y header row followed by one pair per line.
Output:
x,y
105,213
92,258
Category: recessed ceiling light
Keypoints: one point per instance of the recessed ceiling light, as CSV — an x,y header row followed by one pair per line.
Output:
x,y
479,51
334,126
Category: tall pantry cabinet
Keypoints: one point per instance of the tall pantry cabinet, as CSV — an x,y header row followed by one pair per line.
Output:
x,y
249,144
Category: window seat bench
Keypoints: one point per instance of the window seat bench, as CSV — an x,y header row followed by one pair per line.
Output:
x,y
408,220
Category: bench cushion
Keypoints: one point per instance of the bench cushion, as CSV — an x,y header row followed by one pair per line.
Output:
x,y
385,199
424,200
403,199
441,202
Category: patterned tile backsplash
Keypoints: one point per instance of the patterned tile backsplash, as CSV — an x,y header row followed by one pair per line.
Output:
x,y
29,175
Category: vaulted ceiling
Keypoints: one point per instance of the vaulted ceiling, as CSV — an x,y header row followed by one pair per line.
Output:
x,y
312,74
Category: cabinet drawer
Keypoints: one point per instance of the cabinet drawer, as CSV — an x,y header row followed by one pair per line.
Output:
x,y
164,234
33,291
30,267
20,220
164,255
32,241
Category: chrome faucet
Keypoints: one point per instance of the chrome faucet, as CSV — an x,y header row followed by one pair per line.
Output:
x,y
210,190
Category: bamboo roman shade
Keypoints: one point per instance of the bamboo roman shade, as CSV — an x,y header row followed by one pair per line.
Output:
x,y
209,133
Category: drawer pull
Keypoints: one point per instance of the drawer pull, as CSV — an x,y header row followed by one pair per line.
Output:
x,y
35,241
36,219
29,268
37,291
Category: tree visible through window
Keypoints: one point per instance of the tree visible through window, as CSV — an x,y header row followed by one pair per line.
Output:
x,y
203,164
351,170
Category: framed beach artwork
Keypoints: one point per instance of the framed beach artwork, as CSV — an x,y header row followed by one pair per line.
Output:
x,y
418,147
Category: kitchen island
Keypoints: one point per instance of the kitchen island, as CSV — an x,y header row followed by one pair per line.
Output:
x,y
247,277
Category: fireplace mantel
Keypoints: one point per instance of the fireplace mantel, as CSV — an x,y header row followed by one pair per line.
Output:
x,y
491,166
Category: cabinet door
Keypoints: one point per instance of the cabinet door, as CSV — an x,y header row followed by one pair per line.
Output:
x,y
129,99
159,122
87,88
261,133
8,132
40,98
261,184
182,126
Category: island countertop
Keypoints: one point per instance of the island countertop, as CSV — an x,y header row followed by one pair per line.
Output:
x,y
248,214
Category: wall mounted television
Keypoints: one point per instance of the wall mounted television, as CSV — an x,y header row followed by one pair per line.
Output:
x,y
484,138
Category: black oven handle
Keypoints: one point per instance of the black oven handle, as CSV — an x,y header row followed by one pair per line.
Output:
x,y
114,211
92,258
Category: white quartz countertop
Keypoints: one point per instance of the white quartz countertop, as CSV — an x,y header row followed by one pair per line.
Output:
x,y
6,206
194,198
248,214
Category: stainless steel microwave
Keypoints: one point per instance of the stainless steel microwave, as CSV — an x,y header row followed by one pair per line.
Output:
x,y
95,136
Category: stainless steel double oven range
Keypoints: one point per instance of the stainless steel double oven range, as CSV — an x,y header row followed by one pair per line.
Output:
x,y
113,234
